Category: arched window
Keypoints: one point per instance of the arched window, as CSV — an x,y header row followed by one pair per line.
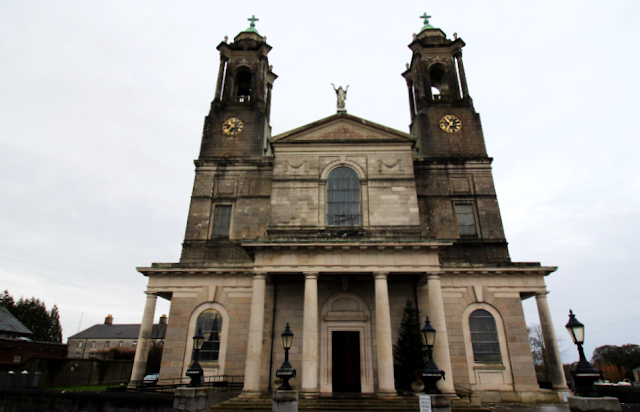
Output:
x,y
211,323
343,198
484,337
242,85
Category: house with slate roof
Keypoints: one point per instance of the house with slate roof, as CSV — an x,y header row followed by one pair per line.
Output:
x,y
16,345
87,343
10,327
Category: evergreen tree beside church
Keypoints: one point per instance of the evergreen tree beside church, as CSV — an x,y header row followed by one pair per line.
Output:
x,y
33,314
410,352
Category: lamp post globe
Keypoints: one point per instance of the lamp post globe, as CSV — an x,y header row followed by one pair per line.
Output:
x,y
195,371
286,371
585,374
431,374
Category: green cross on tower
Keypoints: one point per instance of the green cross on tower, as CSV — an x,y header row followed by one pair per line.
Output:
x,y
426,26
253,20
252,27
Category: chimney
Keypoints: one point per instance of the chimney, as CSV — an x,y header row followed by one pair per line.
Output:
x,y
163,319
108,320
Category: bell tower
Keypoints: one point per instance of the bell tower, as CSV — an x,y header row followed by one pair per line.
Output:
x,y
232,187
442,113
238,122
454,182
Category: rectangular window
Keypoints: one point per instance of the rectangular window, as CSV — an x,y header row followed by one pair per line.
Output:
x,y
106,344
134,344
466,220
17,358
93,344
80,344
121,344
77,355
221,220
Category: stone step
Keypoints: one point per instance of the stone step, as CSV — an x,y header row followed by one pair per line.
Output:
x,y
336,405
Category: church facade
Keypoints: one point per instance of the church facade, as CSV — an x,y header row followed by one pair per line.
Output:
x,y
332,227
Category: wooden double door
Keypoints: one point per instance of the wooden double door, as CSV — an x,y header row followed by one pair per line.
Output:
x,y
346,362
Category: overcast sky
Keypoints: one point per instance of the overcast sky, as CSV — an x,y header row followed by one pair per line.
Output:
x,y
102,106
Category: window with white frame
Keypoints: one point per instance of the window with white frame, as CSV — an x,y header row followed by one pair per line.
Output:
x,y
343,197
484,337
221,220
211,323
466,219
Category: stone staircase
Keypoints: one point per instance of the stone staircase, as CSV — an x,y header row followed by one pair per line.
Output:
x,y
336,404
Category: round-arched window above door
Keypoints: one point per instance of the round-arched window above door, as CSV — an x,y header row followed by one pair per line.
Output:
x,y
343,198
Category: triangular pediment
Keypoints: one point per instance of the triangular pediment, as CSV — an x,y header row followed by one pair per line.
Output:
x,y
342,127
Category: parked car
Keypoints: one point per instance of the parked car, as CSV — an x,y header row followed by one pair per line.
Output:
x,y
150,380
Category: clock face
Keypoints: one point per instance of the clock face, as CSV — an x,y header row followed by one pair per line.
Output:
x,y
450,124
232,127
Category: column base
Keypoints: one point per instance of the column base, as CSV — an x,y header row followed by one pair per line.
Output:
x,y
387,394
309,394
249,394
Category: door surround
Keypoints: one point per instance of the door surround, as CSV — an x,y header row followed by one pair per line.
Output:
x,y
346,312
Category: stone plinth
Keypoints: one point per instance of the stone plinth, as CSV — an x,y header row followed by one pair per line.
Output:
x,y
190,399
285,401
603,404
441,403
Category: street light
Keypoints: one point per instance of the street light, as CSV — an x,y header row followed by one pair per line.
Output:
x,y
286,372
195,371
431,374
585,374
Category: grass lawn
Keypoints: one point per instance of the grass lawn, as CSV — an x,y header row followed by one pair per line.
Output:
x,y
94,388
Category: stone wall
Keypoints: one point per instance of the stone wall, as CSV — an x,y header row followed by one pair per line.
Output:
x,y
29,400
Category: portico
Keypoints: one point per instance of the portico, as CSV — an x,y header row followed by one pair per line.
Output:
x,y
343,309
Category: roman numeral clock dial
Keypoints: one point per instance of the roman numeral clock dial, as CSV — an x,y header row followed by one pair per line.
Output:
x,y
450,124
232,127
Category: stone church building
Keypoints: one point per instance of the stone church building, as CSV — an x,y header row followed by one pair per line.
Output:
x,y
332,227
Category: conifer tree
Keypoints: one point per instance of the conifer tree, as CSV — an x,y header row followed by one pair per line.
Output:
x,y
33,314
410,352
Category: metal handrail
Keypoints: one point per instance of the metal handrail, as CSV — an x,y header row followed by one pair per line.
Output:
x,y
460,391
219,383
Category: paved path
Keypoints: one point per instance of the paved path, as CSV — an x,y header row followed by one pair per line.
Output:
x,y
519,407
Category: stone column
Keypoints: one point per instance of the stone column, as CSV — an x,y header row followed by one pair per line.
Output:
x,y
219,85
386,384
463,78
412,104
441,347
254,345
550,343
310,335
142,350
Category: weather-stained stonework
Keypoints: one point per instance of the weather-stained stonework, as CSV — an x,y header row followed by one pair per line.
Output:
x,y
333,226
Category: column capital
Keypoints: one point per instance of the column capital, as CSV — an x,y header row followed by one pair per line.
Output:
x,y
541,295
433,275
151,294
380,275
259,276
458,54
311,275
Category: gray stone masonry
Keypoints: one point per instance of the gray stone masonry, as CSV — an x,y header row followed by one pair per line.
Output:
x,y
190,399
604,404
285,401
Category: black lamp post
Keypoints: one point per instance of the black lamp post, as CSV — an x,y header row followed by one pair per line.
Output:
x,y
431,374
286,372
585,374
195,371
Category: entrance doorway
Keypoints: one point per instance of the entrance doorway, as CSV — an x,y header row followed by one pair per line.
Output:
x,y
346,362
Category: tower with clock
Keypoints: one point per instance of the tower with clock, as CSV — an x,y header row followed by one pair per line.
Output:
x,y
238,122
330,228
